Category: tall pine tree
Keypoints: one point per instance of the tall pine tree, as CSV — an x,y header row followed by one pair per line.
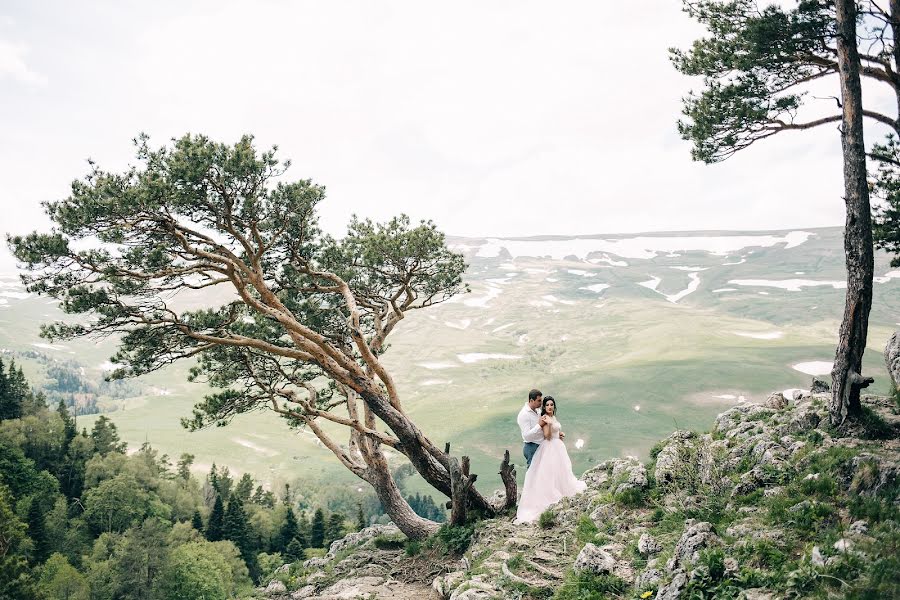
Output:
x,y
216,524
317,530
237,529
289,530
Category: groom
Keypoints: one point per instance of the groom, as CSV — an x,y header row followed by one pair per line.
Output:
x,y
531,424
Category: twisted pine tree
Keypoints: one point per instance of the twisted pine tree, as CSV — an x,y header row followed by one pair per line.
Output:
x,y
295,307
757,66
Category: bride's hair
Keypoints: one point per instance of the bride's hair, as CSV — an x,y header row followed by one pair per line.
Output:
x,y
544,405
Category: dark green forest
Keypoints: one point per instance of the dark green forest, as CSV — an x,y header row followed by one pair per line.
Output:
x,y
81,517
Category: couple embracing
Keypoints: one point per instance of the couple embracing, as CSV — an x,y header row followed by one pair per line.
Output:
x,y
549,477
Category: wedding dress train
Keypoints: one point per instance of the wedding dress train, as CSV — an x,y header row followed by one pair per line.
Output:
x,y
549,479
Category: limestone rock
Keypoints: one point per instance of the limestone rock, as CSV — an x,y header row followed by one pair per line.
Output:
x,y
671,457
843,545
276,587
635,477
758,594
445,584
805,420
648,579
859,527
892,358
357,539
816,557
304,592
595,560
673,589
648,545
776,401
696,536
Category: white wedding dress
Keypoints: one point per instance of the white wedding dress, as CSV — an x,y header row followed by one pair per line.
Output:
x,y
549,479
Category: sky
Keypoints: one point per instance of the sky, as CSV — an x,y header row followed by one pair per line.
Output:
x,y
500,118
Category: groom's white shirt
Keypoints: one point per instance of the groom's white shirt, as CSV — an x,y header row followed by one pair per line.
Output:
x,y
528,423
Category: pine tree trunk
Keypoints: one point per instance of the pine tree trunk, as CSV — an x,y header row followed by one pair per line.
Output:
x,y
847,380
395,505
430,462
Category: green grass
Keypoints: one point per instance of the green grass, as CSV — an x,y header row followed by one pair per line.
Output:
x,y
609,362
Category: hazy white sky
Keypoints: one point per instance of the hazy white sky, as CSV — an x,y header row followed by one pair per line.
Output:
x,y
493,118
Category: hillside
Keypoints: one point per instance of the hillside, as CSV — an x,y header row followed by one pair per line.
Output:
x,y
771,503
635,335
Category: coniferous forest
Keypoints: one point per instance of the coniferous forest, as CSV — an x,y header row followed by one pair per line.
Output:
x,y
84,517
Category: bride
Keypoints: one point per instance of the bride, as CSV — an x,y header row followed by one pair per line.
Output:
x,y
549,479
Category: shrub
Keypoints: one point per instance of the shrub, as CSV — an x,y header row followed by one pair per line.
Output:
x,y
586,531
452,540
547,519
413,548
589,586
389,542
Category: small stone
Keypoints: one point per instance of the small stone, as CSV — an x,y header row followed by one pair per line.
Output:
x,y
797,395
731,565
816,558
892,358
812,476
757,594
843,545
276,587
800,506
859,527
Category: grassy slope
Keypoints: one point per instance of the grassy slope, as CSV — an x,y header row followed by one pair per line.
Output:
x,y
600,357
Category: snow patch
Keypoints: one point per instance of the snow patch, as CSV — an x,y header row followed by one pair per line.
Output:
x,y
579,443
645,247
461,324
887,277
720,290
690,268
16,295
482,301
765,335
816,367
792,285
597,287
474,357
436,366
256,448
581,272
436,382
502,327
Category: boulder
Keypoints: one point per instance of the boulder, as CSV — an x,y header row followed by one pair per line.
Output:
x,y
356,539
304,592
648,579
673,589
445,584
595,560
648,545
805,420
776,401
680,447
276,587
859,527
892,358
696,536
635,477
819,386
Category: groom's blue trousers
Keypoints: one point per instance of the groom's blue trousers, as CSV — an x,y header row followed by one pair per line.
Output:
x,y
528,450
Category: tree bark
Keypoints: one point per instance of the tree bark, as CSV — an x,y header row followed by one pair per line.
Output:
x,y
461,483
847,380
432,464
395,505
508,475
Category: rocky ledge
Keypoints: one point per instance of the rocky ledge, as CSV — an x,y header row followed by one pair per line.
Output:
x,y
771,504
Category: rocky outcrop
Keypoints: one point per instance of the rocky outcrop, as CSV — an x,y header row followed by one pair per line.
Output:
x,y
892,358
756,455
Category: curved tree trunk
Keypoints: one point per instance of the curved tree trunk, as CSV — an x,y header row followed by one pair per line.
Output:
x,y
395,505
847,380
431,463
